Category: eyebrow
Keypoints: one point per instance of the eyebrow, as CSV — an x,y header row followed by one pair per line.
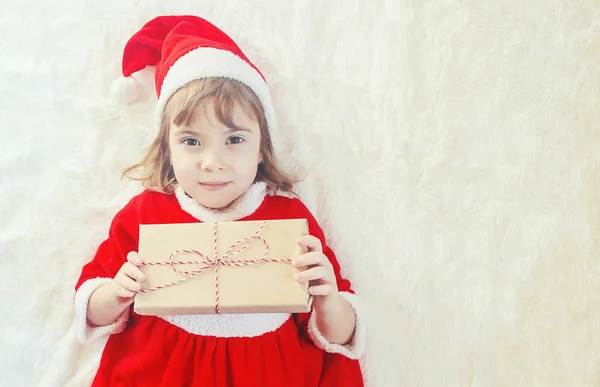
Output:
x,y
186,132
238,129
189,131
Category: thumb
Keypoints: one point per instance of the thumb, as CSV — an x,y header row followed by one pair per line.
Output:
x,y
134,258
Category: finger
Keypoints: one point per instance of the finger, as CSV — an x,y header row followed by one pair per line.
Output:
x,y
314,273
133,272
134,258
124,293
322,290
312,258
311,243
127,283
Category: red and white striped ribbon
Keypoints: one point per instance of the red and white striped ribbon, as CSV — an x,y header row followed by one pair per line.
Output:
x,y
240,245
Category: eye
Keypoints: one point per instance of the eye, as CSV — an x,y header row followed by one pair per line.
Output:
x,y
235,140
191,142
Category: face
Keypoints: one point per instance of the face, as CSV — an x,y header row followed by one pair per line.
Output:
x,y
213,163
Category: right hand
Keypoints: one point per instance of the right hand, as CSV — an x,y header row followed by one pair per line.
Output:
x,y
129,278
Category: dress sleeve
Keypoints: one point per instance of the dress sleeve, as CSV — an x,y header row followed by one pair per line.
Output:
x,y
308,321
109,257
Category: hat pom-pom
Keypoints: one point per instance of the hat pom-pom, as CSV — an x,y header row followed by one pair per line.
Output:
x,y
126,89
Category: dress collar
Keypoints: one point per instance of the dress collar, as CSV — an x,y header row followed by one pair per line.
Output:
x,y
243,206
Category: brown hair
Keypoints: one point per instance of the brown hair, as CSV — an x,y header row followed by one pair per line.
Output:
x,y
155,170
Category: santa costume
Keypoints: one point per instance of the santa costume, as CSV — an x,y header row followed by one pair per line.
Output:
x,y
274,349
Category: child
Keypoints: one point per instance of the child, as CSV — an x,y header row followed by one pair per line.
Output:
x,y
213,159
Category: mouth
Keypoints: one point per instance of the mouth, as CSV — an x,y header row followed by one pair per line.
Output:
x,y
214,186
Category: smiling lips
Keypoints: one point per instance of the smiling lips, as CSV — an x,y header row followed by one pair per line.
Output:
x,y
214,186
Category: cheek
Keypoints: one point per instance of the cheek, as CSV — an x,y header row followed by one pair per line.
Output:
x,y
251,169
180,162
249,158
254,152
172,152
179,155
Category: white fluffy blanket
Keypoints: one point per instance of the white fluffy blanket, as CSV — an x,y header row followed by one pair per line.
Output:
x,y
454,155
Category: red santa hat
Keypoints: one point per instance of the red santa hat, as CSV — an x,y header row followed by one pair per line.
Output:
x,y
180,49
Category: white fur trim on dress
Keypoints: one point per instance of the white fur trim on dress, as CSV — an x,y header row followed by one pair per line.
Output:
x,y
356,346
205,62
86,333
243,206
229,325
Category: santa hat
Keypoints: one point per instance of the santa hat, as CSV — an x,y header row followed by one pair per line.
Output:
x,y
180,49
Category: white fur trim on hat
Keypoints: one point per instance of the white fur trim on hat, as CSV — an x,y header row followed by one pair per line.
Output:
x,y
356,346
207,62
85,332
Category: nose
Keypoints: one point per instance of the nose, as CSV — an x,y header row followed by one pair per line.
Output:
x,y
211,159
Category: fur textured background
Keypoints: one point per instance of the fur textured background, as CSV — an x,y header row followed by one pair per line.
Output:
x,y
453,151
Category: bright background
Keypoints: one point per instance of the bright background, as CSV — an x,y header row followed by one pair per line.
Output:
x,y
454,154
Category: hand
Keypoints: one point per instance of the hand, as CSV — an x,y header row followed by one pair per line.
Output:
x,y
128,279
320,274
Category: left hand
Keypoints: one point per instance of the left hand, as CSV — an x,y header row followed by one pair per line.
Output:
x,y
320,274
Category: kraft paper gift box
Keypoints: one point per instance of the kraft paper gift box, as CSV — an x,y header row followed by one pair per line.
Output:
x,y
264,287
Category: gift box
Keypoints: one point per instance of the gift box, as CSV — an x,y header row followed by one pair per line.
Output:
x,y
222,267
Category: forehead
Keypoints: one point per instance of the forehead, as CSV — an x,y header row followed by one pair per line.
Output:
x,y
211,116
197,102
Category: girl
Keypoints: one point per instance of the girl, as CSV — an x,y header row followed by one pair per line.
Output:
x,y
213,159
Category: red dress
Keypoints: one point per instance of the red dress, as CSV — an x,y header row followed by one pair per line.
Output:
x,y
213,350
